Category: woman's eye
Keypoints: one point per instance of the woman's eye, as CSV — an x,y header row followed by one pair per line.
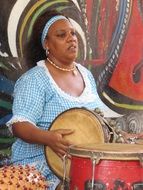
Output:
x,y
61,35
73,33
66,34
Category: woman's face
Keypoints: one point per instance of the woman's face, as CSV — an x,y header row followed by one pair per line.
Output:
x,y
62,41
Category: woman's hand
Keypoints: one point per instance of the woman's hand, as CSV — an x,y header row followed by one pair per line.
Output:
x,y
57,142
54,139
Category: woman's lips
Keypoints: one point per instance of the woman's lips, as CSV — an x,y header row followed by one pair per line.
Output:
x,y
73,48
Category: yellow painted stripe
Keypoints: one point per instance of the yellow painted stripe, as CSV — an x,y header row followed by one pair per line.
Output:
x,y
26,19
30,13
39,11
127,106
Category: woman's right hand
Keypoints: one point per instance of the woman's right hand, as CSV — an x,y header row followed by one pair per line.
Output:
x,y
54,139
57,142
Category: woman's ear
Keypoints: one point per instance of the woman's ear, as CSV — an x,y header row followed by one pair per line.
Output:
x,y
46,44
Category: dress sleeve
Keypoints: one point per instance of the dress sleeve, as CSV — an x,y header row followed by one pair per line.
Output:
x,y
28,99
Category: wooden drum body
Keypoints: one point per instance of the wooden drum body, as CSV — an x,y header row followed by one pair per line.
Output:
x,y
88,127
109,166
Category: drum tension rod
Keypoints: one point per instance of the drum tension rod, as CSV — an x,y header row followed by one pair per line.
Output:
x,y
65,182
141,159
95,158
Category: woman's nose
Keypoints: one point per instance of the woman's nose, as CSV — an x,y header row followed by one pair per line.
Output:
x,y
71,37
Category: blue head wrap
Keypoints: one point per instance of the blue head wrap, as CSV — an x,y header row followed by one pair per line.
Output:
x,y
48,25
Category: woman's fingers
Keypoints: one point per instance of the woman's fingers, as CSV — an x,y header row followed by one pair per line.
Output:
x,y
58,143
64,132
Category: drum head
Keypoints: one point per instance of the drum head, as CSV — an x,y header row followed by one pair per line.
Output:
x,y
109,151
87,127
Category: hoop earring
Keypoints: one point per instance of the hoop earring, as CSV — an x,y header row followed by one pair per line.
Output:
x,y
47,52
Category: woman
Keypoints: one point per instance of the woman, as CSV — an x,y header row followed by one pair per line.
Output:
x,y
56,84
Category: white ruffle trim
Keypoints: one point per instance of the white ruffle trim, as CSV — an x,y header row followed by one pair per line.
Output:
x,y
87,95
16,119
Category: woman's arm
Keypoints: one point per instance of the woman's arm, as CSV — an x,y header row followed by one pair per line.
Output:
x,y
32,134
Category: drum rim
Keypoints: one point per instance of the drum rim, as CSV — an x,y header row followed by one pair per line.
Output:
x,y
107,154
46,148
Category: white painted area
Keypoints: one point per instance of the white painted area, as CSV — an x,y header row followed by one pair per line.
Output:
x,y
82,35
76,3
13,24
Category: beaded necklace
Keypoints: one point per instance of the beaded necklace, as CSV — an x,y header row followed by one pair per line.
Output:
x,y
74,71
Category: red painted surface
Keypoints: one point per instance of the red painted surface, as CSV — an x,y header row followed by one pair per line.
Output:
x,y
131,55
108,172
102,18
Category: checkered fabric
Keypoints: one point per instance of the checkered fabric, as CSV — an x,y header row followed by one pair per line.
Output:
x,y
39,100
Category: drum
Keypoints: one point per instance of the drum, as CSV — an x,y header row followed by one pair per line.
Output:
x,y
21,178
89,127
108,166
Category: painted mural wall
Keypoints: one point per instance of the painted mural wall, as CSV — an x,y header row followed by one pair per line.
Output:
x,y
110,45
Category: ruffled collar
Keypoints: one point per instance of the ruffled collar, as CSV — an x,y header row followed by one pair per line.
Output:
x,y
86,95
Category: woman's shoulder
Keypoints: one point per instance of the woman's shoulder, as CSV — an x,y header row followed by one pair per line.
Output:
x,y
38,69
83,69
33,75
34,72
82,66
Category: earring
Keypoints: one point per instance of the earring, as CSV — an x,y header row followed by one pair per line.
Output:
x,y
47,52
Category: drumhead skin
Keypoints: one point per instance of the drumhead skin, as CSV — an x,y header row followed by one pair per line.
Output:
x,y
87,127
108,151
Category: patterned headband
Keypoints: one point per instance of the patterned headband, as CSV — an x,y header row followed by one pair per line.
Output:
x,y
48,25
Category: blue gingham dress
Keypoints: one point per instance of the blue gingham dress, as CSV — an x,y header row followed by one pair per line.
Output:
x,y
39,100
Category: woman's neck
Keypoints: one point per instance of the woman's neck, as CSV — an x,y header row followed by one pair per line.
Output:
x,y
62,67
